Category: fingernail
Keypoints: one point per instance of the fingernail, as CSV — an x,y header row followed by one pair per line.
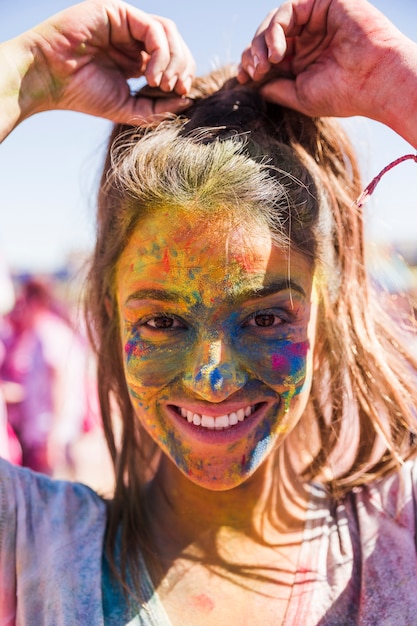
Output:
x,y
187,84
255,61
250,70
242,76
185,102
157,79
172,82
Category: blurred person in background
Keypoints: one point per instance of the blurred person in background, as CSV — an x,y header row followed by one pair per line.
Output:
x,y
46,357
9,445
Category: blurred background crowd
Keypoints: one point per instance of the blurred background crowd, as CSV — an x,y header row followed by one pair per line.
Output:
x,y
49,416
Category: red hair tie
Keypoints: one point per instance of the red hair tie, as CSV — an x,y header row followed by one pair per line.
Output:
x,y
368,191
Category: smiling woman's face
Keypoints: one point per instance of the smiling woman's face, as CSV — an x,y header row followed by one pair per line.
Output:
x,y
217,327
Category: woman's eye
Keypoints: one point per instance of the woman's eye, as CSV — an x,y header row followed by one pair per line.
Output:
x,y
163,322
265,320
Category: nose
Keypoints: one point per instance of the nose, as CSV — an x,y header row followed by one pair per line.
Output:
x,y
214,372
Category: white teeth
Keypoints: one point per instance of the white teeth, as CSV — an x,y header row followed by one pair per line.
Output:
x,y
224,421
218,423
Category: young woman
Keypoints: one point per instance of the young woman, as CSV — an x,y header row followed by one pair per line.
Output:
x,y
265,472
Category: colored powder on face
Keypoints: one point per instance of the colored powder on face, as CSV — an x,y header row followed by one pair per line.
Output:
x,y
165,261
214,374
293,353
177,450
216,379
134,348
259,453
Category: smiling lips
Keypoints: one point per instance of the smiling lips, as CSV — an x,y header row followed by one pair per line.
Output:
x,y
217,423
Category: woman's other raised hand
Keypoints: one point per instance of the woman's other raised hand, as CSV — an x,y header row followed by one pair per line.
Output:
x,y
335,58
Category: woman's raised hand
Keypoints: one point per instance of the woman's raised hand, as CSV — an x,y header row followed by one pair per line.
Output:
x,y
334,57
81,58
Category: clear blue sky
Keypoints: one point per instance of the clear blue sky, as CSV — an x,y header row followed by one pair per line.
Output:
x,y
49,165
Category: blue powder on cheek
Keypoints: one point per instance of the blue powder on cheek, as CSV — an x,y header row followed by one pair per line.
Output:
x,y
261,449
258,455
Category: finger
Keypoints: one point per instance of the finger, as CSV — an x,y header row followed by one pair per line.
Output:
x,y
283,91
186,77
254,63
255,53
242,76
171,105
180,70
260,64
265,23
139,38
146,109
150,32
183,86
246,67
267,71
275,42
283,24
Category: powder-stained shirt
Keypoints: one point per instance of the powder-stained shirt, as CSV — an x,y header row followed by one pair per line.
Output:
x,y
357,564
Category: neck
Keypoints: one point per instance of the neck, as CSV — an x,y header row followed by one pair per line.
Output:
x,y
269,508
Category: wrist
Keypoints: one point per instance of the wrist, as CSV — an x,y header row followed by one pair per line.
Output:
x,y
396,97
21,80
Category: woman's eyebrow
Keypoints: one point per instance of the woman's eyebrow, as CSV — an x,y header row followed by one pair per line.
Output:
x,y
268,290
156,294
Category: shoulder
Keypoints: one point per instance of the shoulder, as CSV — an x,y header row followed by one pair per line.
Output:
x,y
51,543
34,503
19,482
364,547
391,497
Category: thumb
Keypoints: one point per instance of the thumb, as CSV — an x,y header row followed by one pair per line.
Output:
x,y
137,111
283,91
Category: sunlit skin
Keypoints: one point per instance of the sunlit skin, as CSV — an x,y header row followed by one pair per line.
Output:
x,y
215,319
